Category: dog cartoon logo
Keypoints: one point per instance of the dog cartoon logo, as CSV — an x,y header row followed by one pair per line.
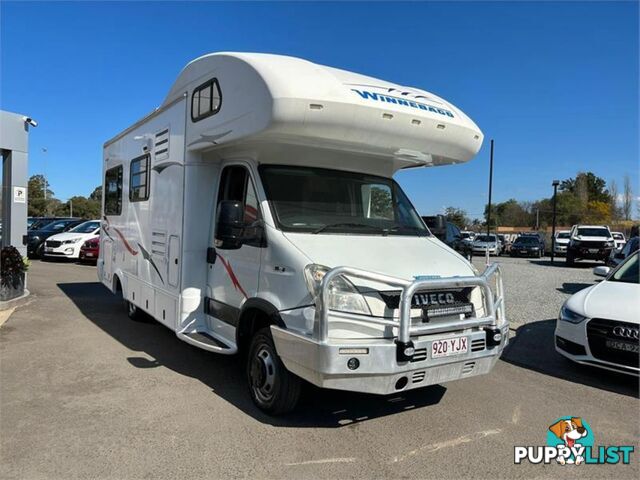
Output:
x,y
569,431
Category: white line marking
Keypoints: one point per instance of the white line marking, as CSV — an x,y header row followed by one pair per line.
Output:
x,y
515,418
447,444
323,460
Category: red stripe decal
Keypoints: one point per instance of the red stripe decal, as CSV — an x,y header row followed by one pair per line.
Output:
x,y
232,276
126,244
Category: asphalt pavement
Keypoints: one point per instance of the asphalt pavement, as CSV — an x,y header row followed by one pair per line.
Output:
x,y
87,393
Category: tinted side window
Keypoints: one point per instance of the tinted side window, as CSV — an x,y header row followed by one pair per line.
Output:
x,y
236,184
113,191
206,100
139,178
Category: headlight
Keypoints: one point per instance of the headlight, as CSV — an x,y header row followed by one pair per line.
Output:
x,y
611,243
570,316
72,240
343,295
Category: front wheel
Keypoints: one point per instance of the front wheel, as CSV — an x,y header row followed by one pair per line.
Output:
x,y
133,312
272,387
569,260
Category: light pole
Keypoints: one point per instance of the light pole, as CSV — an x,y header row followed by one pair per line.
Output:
x,y
555,184
490,190
44,176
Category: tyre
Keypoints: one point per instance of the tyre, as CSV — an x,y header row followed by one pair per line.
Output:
x,y
272,387
40,252
540,254
133,312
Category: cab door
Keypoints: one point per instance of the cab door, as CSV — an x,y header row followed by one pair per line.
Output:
x,y
234,272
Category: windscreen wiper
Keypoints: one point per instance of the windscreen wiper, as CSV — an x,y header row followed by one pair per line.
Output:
x,y
424,232
346,224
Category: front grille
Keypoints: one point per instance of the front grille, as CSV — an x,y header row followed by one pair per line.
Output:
x,y
592,244
53,243
460,296
601,331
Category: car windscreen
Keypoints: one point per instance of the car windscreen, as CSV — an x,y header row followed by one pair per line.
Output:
x,y
485,238
628,272
86,227
465,235
315,200
618,236
56,225
564,235
594,232
526,241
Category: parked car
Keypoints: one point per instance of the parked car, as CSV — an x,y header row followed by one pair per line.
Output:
x,y
527,246
618,238
67,244
448,233
90,250
562,242
592,242
599,325
482,243
36,238
539,235
39,223
618,256
467,237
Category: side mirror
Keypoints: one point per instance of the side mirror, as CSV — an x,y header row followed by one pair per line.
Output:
x,y
229,225
601,271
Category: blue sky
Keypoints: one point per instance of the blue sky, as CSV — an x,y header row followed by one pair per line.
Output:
x,y
555,84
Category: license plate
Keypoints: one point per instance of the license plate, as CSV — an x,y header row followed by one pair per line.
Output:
x,y
623,346
89,254
593,250
448,347
48,249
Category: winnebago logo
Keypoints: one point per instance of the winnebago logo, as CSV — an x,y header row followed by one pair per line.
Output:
x,y
570,442
402,101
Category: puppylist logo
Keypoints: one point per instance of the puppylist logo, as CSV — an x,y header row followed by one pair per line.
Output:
x,y
570,442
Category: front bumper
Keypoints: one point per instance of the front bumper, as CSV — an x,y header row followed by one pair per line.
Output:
x,y
524,253
383,366
63,251
379,372
571,341
590,253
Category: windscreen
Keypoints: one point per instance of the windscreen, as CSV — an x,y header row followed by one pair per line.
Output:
x,y
564,235
485,238
593,232
628,271
315,200
526,241
86,227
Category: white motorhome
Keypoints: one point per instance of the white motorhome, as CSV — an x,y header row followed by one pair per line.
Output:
x,y
255,210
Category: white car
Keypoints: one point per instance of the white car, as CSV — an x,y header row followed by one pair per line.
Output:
x,y
599,325
67,244
562,242
618,237
482,243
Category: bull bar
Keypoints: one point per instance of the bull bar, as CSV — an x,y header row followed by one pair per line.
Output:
x,y
494,310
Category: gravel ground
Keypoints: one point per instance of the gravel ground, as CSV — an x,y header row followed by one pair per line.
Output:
x,y
535,289
87,393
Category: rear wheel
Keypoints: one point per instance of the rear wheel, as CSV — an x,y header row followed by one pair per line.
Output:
x,y
272,387
133,312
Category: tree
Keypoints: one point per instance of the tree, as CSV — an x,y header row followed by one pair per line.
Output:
x,y
96,194
627,198
587,187
598,212
37,206
82,207
456,216
613,191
